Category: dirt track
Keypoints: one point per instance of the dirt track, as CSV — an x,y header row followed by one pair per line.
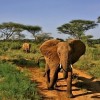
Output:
x,y
90,88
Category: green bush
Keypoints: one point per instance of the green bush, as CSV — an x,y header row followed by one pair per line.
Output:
x,y
16,45
24,62
15,85
41,62
85,64
96,54
1,52
4,46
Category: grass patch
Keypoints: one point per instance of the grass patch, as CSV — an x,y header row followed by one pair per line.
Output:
x,y
90,62
95,71
15,85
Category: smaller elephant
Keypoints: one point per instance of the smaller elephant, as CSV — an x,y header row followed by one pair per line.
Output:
x,y
26,47
61,55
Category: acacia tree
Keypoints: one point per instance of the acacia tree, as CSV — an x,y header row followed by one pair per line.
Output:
x,y
9,29
32,29
18,36
43,36
77,28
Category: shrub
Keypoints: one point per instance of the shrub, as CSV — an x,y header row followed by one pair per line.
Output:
x,y
96,54
24,62
15,45
41,62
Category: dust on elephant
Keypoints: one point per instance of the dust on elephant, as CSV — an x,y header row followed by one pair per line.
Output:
x,y
26,47
61,54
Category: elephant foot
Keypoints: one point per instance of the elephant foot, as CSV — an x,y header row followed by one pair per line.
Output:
x,y
70,96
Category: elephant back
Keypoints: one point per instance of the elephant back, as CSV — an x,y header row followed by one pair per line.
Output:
x,y
49,47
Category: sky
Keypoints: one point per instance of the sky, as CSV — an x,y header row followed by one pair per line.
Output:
x,y
50,14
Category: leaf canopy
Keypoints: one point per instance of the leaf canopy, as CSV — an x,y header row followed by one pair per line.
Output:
x,y
77,28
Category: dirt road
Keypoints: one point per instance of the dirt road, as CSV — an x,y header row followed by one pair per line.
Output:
x,y
84,88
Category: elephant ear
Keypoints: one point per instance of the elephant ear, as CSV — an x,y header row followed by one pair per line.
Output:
x,y
78,49
49,48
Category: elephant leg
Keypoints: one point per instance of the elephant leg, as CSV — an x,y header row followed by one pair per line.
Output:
x,y
48,78
69,83
47,74
65,74
46,69
26,51
53,78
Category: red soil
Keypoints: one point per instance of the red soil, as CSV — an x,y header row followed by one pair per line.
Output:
x,y
90,89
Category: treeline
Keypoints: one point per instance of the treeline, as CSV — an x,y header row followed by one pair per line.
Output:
x,y
75,29
94,41
11,30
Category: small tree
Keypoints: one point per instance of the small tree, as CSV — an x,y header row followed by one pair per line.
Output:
x,y
32,29
9,29
43,36
77,28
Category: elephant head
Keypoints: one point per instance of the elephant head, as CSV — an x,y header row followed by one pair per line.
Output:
x,y
64,54
69,52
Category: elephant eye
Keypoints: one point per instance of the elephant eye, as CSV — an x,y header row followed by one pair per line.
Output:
x,y
59,53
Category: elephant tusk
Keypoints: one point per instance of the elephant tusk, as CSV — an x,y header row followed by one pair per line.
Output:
x,y
60,66
71,66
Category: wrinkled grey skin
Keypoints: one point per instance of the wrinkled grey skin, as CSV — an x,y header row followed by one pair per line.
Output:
x,y
64,54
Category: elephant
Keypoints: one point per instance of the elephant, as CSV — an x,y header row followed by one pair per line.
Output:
x,y
61,55
26,47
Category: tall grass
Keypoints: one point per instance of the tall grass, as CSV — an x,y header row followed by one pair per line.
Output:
x,y
90,62
16,85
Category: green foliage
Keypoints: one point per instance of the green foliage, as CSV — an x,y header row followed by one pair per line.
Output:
x,y
32,29
15,85
4,46
23,62
10,30
1,52
43,36
16,45
90,61
76,28
92,42
95,71
41,62
96,54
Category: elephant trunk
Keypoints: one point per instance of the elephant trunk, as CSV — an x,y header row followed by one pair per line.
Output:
x,y
67,74
65,64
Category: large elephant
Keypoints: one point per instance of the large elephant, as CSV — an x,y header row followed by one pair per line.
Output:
x,y
26,47
58,55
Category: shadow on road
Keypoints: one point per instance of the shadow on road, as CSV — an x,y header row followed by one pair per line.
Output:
x,y
89,85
